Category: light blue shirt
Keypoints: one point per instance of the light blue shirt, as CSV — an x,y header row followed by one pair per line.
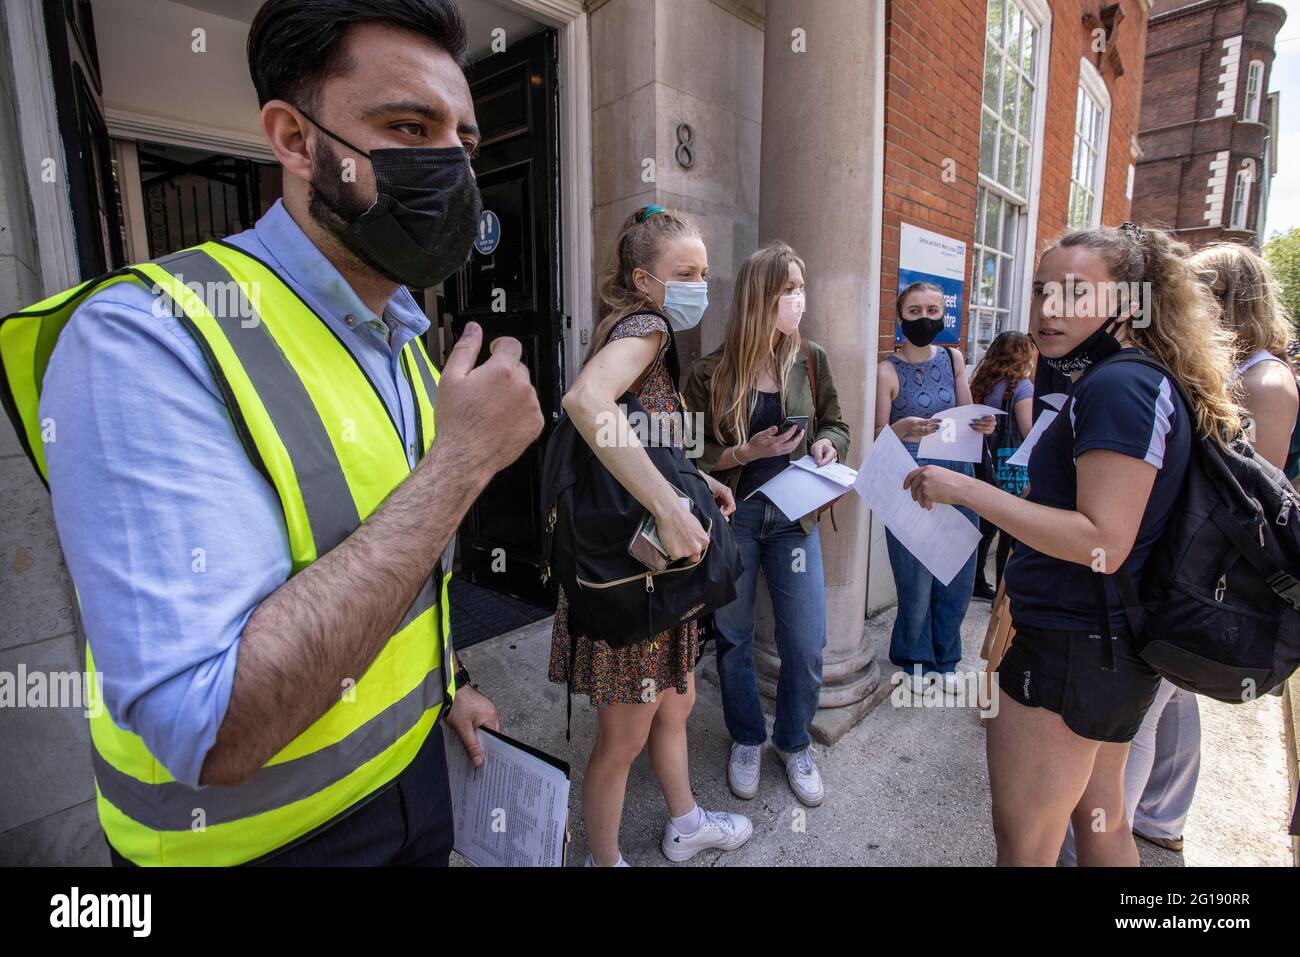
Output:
x,y
171,536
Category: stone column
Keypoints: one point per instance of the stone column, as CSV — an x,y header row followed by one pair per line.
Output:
x,y
820,191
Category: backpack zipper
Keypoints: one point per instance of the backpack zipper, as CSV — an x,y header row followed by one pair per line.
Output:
x,y
648,576
550,531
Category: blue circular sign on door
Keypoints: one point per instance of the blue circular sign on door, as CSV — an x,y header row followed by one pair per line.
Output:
x,y
489,232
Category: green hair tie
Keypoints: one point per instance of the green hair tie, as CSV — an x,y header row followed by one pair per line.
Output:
x,y
645,212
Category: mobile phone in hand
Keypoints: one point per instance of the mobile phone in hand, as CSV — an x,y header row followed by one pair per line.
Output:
x,y
798,421
646,547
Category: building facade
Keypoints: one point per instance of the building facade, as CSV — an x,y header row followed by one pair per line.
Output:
x,y
1208,133
872,135
1007,122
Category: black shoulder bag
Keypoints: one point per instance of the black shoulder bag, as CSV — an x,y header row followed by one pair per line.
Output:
x,y
612,596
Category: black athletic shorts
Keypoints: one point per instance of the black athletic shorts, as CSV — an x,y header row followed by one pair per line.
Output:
x,y
1064,671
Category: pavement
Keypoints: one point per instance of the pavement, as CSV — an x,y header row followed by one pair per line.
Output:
x,y
907,786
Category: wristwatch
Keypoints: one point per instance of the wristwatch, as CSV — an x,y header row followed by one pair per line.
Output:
x,y
462,677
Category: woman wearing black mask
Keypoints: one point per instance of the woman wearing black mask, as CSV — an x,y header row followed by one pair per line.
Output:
x,y
1104,480
913,385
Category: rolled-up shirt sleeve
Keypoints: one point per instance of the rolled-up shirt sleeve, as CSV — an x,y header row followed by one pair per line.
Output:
x,y
170,534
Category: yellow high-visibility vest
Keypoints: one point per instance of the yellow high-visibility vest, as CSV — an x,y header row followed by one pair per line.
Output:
x,y
314,426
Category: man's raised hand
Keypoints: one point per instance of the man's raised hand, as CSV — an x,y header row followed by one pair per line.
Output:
x,y
489,414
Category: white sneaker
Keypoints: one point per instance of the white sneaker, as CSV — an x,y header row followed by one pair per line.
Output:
x,y
743,768
591,862
805,780
917,685
717,829
951,684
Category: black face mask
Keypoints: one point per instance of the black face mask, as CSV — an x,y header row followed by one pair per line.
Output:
x,y
1098,346
921,332
421,226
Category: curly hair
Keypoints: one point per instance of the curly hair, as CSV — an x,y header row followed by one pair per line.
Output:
x,y
1248,292
1179,318
1010,358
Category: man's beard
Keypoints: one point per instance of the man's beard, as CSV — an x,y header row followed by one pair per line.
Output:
x,y
335,206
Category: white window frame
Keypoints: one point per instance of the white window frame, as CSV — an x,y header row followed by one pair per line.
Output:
x,y
1092,86
1240,199
1254,90
1024,257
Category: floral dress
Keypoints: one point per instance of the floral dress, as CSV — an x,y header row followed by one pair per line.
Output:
x,y
619,675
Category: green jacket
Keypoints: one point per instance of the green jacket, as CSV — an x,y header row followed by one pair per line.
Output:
x,y
798,401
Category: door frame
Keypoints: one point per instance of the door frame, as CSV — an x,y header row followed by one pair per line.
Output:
x,y
38,125
38,131
573,74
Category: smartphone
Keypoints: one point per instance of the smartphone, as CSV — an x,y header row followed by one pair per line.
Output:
x,y
799,421
645,546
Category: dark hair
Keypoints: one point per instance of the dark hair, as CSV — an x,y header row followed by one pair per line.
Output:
x,y
294,45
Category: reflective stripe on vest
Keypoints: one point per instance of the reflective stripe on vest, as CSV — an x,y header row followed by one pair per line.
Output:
x,y
315,426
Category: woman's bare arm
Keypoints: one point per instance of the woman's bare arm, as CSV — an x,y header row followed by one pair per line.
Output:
x,y
592,405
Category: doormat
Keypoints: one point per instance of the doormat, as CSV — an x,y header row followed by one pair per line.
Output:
x,y
478,613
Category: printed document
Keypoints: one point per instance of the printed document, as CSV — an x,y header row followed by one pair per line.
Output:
x,y
955,440
1055,400
803,487
940,538
512,811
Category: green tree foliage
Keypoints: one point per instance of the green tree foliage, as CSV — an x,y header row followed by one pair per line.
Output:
x,y
1283,254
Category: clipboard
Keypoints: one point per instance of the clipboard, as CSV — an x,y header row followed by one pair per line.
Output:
x,y
514,810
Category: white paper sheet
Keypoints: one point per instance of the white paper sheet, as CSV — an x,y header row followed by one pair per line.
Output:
x,y
1021,456
1054,399
957,442
798,491
941,538
841,474
512,811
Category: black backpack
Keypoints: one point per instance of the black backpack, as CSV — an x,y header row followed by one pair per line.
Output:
x,y
1219,609
612,596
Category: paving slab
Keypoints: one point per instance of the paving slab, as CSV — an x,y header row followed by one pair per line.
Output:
x,y
907,786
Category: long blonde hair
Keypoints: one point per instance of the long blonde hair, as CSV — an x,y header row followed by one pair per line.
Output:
x,y
1247,291
1181,325
752,340
640,242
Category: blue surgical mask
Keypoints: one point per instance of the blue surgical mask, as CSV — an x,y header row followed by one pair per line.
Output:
x,y
684,302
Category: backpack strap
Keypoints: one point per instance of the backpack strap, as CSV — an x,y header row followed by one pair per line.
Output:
x,y
1284,584
1128,593
811,369
672,360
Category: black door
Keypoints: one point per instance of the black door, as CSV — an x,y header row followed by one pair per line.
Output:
x,y
510,286
78,97
193,196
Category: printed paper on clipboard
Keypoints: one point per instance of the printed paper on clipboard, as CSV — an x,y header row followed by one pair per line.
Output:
x,y
513,811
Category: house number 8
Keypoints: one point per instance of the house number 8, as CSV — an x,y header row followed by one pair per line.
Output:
x,y
685,136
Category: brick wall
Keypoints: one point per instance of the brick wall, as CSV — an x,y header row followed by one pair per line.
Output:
x,y
1072,40
934,80
1188,131
934,63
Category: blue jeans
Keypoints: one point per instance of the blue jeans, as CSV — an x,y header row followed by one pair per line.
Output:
x,y
798,589
927,631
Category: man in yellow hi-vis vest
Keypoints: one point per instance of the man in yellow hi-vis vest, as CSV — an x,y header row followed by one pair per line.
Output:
x,y
256,470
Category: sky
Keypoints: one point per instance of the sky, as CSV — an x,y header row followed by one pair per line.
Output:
x,y
1284,201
